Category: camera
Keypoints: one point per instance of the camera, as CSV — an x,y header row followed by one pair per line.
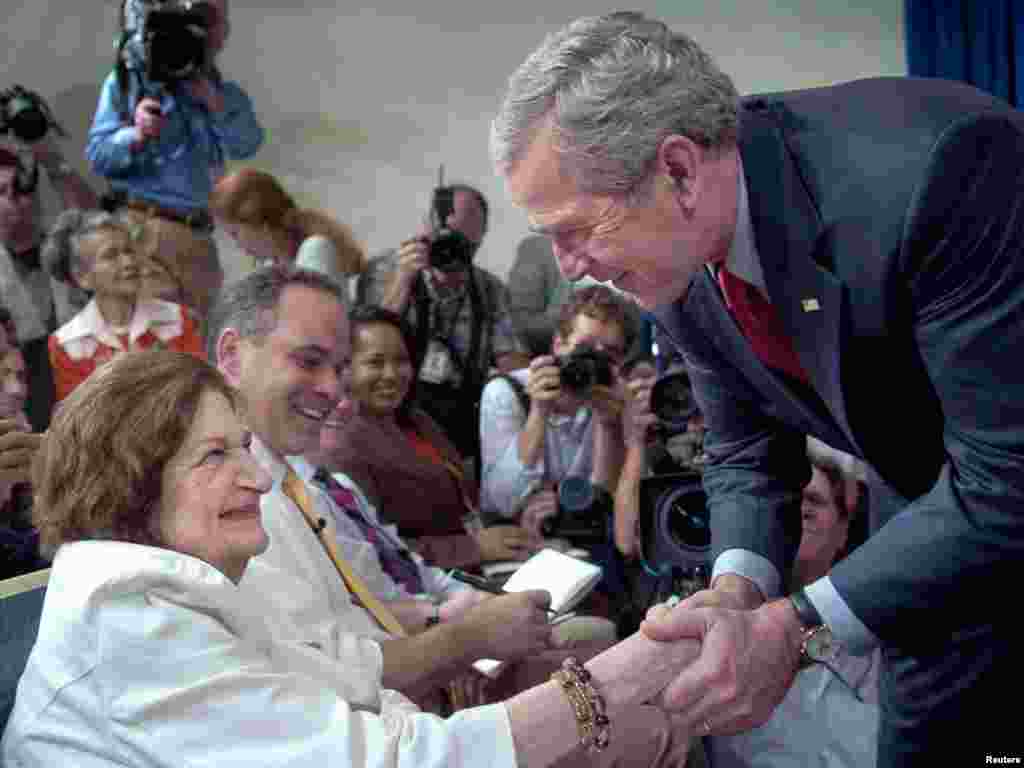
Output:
x,y
25,114
450,250
675,531
584,368
583,512
174,38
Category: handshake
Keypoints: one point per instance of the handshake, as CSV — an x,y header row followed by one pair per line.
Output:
x,y
748,658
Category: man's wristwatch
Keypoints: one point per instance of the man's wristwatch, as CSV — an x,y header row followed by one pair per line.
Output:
x,y
817,646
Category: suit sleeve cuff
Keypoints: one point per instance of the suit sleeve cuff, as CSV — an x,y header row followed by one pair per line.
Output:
x,y
846,628
750,565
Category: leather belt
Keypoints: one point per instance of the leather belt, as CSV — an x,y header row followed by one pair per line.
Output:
x,y
199,220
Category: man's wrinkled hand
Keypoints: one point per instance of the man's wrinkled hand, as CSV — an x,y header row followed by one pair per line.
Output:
x,y
746,664
511,626
504,542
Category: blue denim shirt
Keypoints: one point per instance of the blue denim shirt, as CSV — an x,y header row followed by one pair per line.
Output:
x,y
175,170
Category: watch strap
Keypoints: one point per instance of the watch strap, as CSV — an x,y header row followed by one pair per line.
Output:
x,y
805,610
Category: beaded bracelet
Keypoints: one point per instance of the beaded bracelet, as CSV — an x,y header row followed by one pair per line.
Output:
x,y
587,704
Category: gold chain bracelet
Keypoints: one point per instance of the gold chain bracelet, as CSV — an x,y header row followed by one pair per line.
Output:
x,y
587,704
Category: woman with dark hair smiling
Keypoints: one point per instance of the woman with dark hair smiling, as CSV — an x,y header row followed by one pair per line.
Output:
x,y
149,655
402,461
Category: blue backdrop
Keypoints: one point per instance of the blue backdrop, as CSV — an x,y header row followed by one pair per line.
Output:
x,y
980,42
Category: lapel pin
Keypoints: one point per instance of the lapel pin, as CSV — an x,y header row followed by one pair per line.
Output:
x,y
810,305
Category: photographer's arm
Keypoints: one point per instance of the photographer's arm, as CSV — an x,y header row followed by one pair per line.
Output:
x,y
627,500
235,123
112,145
609,444
398,282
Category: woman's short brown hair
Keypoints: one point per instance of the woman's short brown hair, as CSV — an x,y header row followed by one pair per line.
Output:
x,y
98,472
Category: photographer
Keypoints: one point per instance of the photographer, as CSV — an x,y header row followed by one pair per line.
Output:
x,y
557,431
37,302
165,125
461,326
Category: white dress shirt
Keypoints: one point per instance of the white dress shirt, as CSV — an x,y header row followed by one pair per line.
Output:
x,y
148,657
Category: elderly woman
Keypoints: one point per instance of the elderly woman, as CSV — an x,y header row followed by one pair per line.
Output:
x,y
149,654
101,253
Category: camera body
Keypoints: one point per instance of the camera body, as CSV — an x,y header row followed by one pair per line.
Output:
x,y
584,368
583,512
450,250
174,39
25,114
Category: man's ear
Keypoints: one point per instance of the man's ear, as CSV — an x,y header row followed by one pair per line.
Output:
x,y
680,161
230,351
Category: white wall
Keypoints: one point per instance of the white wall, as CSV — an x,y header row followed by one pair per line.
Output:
x,y
362,104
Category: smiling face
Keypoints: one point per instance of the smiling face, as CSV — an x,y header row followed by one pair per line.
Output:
x,y
290,379
210,491
381,370
114,264
649,247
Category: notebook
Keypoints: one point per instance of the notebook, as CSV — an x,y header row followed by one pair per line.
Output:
x,y
568,579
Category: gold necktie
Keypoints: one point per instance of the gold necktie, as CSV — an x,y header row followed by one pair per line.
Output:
x,y
295,490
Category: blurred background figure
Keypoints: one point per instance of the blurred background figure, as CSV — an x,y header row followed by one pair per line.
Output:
x,y
37,302
165,124
19,541
536,291
99,251
264,221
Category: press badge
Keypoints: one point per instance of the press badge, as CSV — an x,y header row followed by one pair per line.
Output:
x,y
437,365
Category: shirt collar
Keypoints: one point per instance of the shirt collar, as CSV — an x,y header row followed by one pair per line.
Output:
x,y
89,323
743,260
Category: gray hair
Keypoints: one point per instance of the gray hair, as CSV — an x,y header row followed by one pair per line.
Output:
x,y
615,86
249,306
60,253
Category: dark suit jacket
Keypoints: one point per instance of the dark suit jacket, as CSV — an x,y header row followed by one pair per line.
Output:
x,y
898,205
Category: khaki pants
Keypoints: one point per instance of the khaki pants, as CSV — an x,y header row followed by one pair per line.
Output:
x,y
180,263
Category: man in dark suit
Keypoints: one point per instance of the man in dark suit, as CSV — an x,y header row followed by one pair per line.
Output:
x,y
843,262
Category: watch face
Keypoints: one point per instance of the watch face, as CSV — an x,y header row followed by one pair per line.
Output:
x,y
819,645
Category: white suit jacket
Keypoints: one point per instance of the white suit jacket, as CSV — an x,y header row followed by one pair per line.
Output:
x,y
147,657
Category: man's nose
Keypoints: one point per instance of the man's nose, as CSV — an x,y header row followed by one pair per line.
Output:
x,y
328,383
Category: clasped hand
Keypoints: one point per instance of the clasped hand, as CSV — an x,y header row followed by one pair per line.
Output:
x,y
746,664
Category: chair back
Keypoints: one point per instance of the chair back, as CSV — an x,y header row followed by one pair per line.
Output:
x,y
21,606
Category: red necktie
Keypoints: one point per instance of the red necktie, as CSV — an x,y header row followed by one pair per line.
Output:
x,y
761,325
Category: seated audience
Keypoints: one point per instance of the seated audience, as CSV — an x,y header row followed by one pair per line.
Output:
x,y
100,252
162,138
265,222
830,714
38,302
281,337
458,313
19,541
147,648
404,464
